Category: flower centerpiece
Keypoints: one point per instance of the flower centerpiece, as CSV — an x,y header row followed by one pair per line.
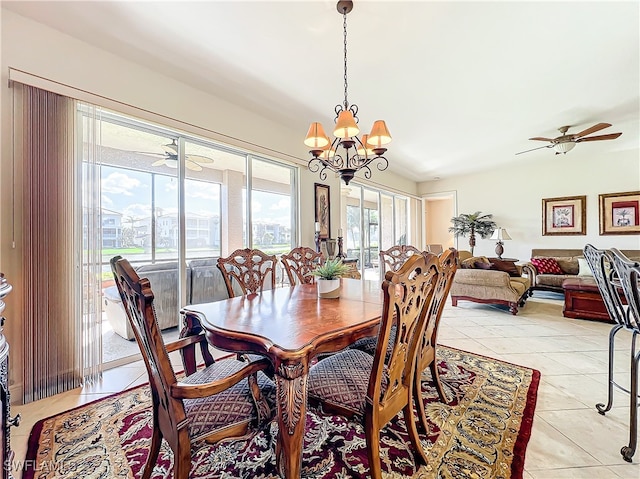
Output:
x,y
328,275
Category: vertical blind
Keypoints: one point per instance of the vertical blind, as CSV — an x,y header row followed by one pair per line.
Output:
x,y
57,296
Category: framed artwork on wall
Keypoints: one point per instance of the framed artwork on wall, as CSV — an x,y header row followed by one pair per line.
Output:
x,y
564,216
323,210
620,213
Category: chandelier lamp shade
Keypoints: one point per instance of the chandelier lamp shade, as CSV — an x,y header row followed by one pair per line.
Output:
x,y
347,153
501,235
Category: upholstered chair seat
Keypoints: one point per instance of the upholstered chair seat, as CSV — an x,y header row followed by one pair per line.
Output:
x,y
234,406
341,381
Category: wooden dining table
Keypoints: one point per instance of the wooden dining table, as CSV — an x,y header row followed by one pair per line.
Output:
x,y
291,326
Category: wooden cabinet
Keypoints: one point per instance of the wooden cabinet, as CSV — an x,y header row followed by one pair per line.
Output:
x,y
6,454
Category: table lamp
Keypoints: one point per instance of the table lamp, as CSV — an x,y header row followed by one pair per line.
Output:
x,y
501,235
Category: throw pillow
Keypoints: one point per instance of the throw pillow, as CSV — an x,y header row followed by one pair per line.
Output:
x,y
568,265
546,265
506,266
585,270
482,265
470,262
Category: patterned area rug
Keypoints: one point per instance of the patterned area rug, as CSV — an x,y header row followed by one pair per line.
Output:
x,y
482,433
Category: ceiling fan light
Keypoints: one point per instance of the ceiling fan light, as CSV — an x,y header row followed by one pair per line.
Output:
x,y
346,125
171,163
316,137
564,146
379,134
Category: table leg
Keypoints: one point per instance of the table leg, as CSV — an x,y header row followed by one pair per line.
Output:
x,y
291,387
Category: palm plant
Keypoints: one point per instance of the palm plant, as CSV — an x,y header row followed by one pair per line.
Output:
x,y
472,224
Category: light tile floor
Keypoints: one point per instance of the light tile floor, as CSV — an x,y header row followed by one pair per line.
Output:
x,y
569,438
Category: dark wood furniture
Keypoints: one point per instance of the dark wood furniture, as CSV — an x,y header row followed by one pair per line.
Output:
x,y
6,421
582,300
290,326
220,401
250,269
393,258
299,263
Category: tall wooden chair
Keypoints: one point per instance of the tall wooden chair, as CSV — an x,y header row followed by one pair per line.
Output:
x,y
426,355
393,258
220,401
299,263
376,388
251,269
629,279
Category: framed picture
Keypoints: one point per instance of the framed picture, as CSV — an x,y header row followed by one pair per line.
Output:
x,y
323,209
620,213
564,216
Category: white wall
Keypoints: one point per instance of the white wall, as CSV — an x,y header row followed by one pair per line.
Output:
x,y
513,194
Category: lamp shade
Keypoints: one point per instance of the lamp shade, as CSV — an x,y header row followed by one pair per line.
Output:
x,y
500,234
379,134
346,126
364,150
316,137
564,146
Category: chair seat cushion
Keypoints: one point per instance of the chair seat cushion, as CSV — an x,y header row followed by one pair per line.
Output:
x,y
342,380
368,345
229,407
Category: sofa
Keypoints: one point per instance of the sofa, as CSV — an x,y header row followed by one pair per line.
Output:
x,y
571,263
489,280
204,283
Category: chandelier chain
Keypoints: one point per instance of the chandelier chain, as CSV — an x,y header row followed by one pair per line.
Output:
x,y
344,24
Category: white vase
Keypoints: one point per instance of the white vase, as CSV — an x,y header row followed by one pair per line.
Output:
x,y
328,288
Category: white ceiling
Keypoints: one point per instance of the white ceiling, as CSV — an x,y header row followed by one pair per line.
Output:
x,y
461,85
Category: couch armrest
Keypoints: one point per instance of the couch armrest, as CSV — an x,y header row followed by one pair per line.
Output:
x,y
529,270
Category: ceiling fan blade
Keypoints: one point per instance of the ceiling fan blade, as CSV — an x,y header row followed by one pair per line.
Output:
x,y
610,136
159,162
593,129
199,159
532,149
193,166
539,138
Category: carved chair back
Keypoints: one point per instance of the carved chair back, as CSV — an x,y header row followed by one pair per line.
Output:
x,y
251,269
299,263
601,263
426,353
393,258
137,299
407,294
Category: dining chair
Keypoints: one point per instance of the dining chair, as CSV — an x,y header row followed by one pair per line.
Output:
x,y
299,263
426,353
223,400
251,269
393,258
374,389
435,248
628,273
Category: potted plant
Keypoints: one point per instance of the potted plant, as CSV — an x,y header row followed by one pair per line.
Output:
x,y
328,275
472,224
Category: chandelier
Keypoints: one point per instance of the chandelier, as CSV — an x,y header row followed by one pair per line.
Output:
x,y
347,153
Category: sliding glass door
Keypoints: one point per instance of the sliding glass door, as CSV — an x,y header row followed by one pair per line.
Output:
x,y
168,199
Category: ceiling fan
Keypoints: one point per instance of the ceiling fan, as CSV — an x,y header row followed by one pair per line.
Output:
x,y
566,142
170,158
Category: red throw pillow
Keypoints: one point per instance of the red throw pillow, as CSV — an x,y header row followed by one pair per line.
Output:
x,y
546,265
